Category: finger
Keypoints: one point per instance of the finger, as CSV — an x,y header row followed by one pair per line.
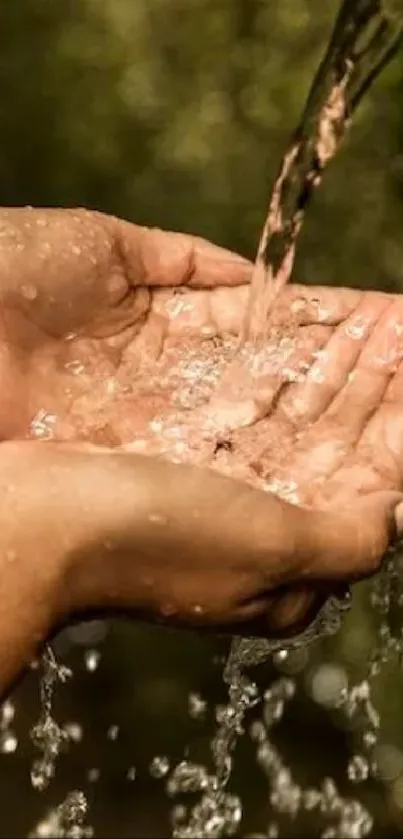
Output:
x,y
366,386
376,464
281,615
328,374
355,544
222,310
159,258
378,461
205,312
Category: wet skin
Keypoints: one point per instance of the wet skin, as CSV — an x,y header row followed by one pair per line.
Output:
x,y
147,465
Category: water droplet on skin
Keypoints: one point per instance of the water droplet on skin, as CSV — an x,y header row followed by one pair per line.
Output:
x,y
320,355
155,426
176,306
42,424
356,331
76,250
288,490
208,331
29,291
75,367
315,374
291,375
298,305
110,386
156,518
159,767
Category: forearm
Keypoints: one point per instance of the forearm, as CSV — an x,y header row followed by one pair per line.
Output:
x,y
85,529
80,531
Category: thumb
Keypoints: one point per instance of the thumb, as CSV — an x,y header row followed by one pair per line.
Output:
x,y
158,258
349,544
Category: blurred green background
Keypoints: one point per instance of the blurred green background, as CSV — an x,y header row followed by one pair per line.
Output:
x,y
175,113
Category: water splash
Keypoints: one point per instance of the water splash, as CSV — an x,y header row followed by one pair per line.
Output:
x,y
47,735
67,821
159,766
42,425
219,813
8,738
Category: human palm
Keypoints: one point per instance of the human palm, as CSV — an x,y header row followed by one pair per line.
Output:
x,y
129,337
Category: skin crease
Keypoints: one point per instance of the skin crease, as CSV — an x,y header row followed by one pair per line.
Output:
x,y
136,443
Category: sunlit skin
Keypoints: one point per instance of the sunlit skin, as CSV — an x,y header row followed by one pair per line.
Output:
x,y
137,478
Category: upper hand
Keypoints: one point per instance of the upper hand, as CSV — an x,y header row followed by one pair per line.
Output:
x,y
93,306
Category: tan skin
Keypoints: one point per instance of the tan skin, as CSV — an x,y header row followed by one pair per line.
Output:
x,y
123,487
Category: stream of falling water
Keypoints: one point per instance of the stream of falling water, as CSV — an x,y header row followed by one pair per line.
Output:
x,y
364,39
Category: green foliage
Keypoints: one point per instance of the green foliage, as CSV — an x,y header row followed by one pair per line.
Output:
x,y
393,9
175,113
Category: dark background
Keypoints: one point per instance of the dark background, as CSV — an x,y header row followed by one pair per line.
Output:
x,y
175,113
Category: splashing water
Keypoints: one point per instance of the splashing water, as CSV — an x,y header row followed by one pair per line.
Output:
x,y
67,821
8,739
47,735
219,813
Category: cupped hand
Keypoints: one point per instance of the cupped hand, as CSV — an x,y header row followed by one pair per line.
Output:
x,y
122,336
